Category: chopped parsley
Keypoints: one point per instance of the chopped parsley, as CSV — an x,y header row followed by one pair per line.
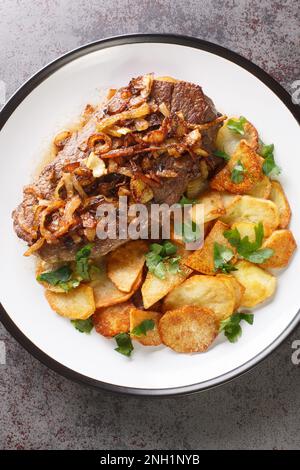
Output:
x,y
84,326
184,200
61,277
222,257
238,172
221,154
231,326
82,262
237,125
143,327
160,259
269,166
124,344
250,251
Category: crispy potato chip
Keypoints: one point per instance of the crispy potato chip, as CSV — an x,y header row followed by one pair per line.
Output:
x,y
252,209
212,204
78,304
107,294
202,260
188,329
252,174
110,321
236,286
152,337
154,289
262,189
245,229
259,284
283,243
228,140
125,264
279,198
202,291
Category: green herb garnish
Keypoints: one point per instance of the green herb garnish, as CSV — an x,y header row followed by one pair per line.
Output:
x,y
269,166
143,327
82,262
221,154
124,343
238,172
237,125
231,326
61,277
84,326
160,259
184,200
222,257
250,251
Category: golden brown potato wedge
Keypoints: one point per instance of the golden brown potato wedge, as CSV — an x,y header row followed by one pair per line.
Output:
x,y
213,206
202,260
107,294
125,264
188,329
228,140
262,189
202,291
259,284
252,164
110,321
154,289
255,210
78,304
283,243
279,198
152,337
245,229
237,288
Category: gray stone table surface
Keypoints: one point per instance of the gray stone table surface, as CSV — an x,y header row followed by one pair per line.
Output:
x,y
41,410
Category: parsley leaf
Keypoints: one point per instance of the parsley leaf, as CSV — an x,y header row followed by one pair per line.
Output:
x,y
184,200
61,277
143,327
237,125
238,171
269,166
222,256
124,343
82,262
221,154
160,259
251,251
231,326
84,326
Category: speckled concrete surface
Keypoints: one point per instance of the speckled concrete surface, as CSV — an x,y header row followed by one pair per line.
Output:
x,y
39,409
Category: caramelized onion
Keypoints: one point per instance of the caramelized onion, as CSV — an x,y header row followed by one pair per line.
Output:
x,y
135,113
99,138
35,247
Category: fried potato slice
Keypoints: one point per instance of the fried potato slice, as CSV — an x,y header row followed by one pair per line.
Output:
x,y
245,229
154,289
188,329
252,209
213,207
152,337
178,238
283,243
202,260
43,267
262,189
110,321
125,264
78,304
228,140
279,198
259,284
252,164
237,288
107,294
203,291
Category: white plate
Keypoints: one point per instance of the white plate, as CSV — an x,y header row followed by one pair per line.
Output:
x,y
52,99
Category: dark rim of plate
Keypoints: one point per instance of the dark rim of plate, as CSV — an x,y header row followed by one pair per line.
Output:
x,y
26,89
